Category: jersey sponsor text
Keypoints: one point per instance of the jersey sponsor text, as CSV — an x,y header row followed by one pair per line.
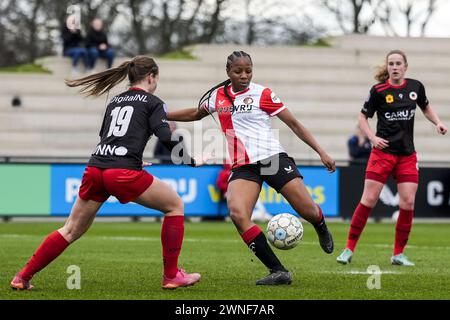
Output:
x,y
136,97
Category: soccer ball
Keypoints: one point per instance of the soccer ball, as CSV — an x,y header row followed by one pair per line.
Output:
x,y
284,231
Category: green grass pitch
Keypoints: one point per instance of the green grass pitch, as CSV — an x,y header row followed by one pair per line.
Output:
x,y
123,261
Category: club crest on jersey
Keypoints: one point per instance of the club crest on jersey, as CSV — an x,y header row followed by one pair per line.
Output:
x,y
275,98
389,98
413,95
248,100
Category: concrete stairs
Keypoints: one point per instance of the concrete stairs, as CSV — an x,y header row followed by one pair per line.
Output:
x,y
324,87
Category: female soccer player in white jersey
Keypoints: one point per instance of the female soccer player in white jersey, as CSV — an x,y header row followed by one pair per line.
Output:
x,y
131,118
244,110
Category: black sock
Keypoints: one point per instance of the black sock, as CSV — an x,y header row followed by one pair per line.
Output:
x,y
320,223
261,249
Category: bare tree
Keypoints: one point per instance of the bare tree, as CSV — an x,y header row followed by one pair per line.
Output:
x,y
256,18
414,14
137,25
353,22
431,9
212,25
24,31
6,51
187,32
165,25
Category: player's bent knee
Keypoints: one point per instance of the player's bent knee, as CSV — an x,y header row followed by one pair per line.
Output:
x,y
238,216
70,234
176,207
310,211
369,200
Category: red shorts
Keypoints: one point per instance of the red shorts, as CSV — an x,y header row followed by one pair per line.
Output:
x,y
381,165
125,184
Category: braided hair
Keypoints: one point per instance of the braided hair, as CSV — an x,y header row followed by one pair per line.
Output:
x,y
230,59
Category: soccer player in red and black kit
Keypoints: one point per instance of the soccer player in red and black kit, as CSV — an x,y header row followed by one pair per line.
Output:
x,y
244,109
394,100
115,168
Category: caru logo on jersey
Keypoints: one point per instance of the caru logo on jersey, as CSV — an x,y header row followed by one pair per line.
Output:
x,y
106,149
399,115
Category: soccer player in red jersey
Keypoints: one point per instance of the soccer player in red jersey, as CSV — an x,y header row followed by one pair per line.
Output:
x,y
115,168
244,109
394,99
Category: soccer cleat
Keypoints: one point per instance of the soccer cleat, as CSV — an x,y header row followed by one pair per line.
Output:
x,y
276,278
325,237
18,283
345,257
401,260
182,279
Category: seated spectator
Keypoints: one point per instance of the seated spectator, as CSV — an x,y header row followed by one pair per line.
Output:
x,y
73,45
97,44
161,152
359,147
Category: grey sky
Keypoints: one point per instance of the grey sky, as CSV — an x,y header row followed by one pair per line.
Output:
x,y
439,25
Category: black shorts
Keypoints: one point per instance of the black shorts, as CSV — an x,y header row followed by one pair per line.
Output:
x,y
276,171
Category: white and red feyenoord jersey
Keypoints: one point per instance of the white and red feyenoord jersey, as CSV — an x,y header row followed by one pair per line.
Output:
x,y
246,124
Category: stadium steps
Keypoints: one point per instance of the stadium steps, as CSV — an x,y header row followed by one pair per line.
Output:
x,y
314,86
347,56
421,45
348,108
323,87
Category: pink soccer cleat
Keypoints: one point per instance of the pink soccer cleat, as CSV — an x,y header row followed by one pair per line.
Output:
x,y
182,279
18,283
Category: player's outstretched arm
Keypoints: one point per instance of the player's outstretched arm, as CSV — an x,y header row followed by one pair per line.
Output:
x,y
434,118
300,131
188,114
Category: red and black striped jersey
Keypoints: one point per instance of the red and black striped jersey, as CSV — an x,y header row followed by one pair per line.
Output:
x,y
395,107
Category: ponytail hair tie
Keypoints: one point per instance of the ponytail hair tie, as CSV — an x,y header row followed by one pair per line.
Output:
x,y
131,64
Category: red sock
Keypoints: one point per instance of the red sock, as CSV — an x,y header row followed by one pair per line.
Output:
x,y
172,235
319,220
49,249
249,235
357,225
402,230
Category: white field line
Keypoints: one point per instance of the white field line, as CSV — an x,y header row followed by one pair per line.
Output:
x,y
151,239
361,272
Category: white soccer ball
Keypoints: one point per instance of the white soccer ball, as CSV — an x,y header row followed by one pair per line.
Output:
x,y
284,231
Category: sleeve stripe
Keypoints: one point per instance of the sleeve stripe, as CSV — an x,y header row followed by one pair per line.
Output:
x,y
277,111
